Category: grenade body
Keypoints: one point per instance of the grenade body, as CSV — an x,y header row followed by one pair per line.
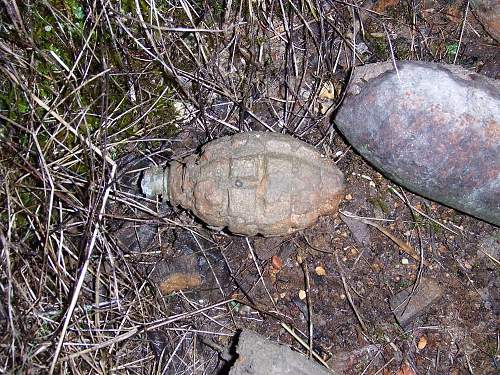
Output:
x,y
254,183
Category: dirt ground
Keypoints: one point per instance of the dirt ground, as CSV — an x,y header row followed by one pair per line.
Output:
x,y
85,256
460,329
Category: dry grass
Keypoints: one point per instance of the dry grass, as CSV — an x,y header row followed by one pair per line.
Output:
x,y
90,87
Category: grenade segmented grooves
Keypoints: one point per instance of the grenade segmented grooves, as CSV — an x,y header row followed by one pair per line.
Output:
x,y
256,183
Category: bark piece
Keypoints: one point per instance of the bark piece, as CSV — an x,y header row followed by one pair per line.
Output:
x,y
259,356
407,306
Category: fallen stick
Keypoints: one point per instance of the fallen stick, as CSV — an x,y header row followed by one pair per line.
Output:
x,y
402,245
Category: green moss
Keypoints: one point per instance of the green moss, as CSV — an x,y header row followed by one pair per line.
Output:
x,y
234,306
451,49
64,37
403,284
418,220
13,103
217,7
25,202
379,202
379,47
435,227
377,332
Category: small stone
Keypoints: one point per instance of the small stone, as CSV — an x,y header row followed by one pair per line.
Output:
x,y
302,294
348,197
408,304
320,271
422,343
245,310
359,230
404,261
258,355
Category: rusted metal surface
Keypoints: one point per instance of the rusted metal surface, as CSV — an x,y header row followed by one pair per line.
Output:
x,y
435,129
488,13
253,183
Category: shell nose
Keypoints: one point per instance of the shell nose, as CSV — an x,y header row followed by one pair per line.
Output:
x,y
154,182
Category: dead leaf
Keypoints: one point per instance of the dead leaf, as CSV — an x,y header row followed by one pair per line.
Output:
x,y
180,281
422,343
276,262
405,369
327,91
381,5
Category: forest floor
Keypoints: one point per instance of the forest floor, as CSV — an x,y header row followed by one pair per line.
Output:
x,y
92,93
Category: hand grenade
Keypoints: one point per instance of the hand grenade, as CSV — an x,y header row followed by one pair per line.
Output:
x,y
252,183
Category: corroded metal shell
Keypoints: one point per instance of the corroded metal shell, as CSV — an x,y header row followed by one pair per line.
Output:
x,y
256,183
488,13
433,128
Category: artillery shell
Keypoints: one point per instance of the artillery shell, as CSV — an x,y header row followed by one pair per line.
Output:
x,y
488,13
432,128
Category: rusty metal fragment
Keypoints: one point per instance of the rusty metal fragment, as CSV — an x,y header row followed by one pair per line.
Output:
x,y
433,128
252,183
